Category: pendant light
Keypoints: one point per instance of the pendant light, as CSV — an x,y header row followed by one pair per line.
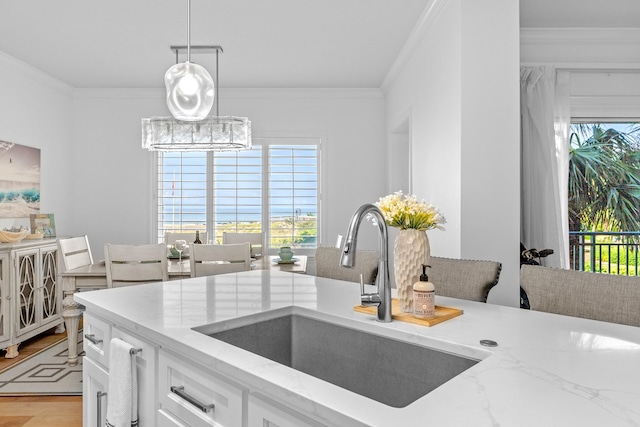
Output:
x,y
213,133
190,88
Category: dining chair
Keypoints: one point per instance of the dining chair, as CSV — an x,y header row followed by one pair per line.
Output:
x,y
135,264
328,265
598,296
209,260
256,240
463,278
75,252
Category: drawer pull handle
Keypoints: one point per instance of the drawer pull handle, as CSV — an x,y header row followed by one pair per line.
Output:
x,y
93,339
180,392
99,396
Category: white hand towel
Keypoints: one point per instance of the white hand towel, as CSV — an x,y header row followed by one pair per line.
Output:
x,y
122,398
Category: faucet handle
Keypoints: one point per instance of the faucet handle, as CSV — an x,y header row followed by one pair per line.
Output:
x,y
368,299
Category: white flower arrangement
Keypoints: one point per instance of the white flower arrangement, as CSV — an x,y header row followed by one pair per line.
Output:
x,y
407,212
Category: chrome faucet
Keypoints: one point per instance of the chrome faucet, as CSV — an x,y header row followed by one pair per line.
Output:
x,y
381,299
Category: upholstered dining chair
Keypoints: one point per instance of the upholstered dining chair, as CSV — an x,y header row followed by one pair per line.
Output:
x,y
598,296
328,265
462,278
256,240
135,264
209,260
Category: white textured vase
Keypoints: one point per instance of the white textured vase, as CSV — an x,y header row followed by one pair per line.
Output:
x,y
411,250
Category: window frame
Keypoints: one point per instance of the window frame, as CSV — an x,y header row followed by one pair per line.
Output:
x,y
263,141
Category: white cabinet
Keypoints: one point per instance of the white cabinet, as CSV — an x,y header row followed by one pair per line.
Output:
x,y
97,338
30,297
95,383
37,297
5,301
264,412
192,396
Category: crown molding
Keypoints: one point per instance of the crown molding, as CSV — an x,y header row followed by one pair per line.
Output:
x,y
417,35
28,71
579,36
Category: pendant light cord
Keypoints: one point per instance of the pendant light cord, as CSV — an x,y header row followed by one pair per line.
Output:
x,y
188,30
217,87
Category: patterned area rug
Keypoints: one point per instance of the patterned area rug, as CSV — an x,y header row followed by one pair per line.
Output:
x,y
45,372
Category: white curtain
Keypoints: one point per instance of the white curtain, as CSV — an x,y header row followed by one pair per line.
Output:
x,y
544,104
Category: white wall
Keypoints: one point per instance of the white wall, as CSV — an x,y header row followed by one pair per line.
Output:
x,y
114,176
459,83
491,140
35,110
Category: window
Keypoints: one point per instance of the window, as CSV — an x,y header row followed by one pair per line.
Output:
x,y
272,188
604,184
293,196
237,191
182,192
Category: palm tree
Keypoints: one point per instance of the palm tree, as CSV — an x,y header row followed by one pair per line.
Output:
x,y
604,179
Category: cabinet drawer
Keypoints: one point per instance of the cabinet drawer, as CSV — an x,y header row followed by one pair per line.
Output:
x,y
97,335
95,385
146,371
264,412
165,419
186,393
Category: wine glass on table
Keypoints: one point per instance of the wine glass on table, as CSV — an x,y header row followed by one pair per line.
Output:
x,y
180,246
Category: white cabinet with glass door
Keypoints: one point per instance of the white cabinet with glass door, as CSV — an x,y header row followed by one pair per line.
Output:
x,y
36,301
30,297
5,300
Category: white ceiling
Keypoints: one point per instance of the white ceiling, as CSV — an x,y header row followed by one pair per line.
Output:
x,y
267,43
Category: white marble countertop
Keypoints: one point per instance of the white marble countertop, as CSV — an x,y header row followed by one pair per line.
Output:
x,y
547,370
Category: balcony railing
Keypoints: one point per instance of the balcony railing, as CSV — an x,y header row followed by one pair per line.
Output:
x,y
605,252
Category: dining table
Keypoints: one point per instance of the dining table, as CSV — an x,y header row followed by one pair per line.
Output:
x,y
94,277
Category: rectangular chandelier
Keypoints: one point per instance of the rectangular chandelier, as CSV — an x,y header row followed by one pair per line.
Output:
x,y
214,133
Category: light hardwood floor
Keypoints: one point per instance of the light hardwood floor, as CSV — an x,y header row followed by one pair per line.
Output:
x,y
41,411
38,411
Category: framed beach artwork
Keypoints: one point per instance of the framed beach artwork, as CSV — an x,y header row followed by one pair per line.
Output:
x,y
19,180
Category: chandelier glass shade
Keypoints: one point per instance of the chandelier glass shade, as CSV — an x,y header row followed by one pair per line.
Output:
x,y
214,133
211,133
190,91
190,88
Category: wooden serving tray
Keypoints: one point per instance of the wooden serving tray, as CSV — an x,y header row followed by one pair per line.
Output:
x,y
442,313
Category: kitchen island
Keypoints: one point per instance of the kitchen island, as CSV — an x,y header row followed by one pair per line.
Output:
x,y
546,370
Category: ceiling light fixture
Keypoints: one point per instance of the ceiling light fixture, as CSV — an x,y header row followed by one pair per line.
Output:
x,y
214,133
190,88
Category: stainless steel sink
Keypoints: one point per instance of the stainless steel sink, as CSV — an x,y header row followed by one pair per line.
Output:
x,y
392,372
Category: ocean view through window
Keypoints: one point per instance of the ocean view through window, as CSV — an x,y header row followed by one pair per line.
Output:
x,y
272,188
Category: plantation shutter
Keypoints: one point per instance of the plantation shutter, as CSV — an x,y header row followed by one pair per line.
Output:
x,y
293,195
182,192
237,197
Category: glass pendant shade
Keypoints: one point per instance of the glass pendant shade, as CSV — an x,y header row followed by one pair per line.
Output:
x,y
190,91
215,133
